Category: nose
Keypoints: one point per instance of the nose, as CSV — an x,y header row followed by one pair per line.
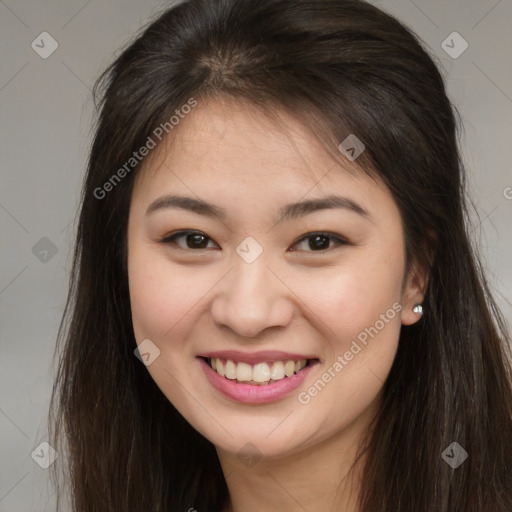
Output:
x,y
252,298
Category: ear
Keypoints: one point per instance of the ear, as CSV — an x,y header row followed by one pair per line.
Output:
x,y
414,292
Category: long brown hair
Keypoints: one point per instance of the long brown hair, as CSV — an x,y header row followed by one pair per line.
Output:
x,y
343,67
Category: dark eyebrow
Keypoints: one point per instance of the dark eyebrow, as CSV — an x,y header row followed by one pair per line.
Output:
x,y
289,211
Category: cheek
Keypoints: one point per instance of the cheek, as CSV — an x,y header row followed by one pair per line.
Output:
x,y
163,298
349,297
357,308
360,319
161,294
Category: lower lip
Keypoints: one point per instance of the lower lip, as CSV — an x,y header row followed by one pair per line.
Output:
x,y
254,394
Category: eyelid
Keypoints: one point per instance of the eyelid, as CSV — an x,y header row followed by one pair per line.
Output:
x,y
338,239
170,239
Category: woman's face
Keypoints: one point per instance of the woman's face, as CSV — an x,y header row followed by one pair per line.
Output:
x,y
262,287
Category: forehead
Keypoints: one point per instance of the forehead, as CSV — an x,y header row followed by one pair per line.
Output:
x,y
227,143
232,133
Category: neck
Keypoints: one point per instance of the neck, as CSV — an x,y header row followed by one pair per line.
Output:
x,y
313,478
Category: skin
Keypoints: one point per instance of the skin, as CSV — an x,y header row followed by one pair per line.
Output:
x,y
292,297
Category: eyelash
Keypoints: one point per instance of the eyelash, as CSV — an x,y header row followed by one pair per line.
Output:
x,y
171,239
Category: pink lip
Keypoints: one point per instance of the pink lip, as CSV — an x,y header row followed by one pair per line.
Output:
x,y
253,394
265,356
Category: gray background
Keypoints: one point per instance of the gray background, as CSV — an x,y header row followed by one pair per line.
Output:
x,y
46,110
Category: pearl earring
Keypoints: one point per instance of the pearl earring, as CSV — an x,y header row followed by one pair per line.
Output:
x,y
418,309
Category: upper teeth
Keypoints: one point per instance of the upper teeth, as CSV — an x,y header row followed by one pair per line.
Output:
x,y
258,373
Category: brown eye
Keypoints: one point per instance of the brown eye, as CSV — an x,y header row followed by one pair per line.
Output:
x,y
312,242
316,242
193,239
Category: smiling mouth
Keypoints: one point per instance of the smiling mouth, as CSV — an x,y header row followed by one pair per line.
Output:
x,y
259,374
